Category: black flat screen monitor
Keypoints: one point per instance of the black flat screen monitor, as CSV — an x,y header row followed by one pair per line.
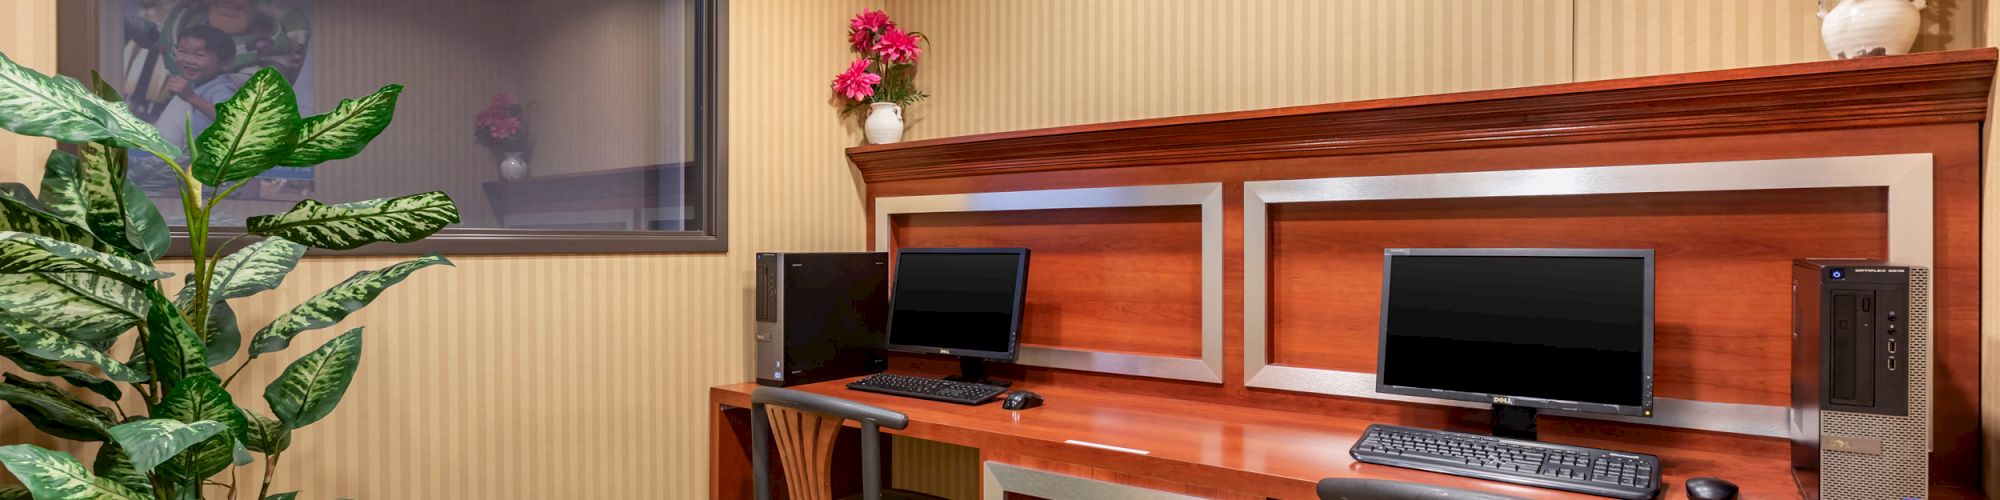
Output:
x,y
1568,329
958,301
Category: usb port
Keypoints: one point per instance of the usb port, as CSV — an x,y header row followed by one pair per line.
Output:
x,y
1892,346
1867,304
1892,363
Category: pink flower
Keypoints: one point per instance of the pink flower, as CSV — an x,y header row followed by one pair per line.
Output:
x,y
503,128
857,83
898,46
870,20
859,39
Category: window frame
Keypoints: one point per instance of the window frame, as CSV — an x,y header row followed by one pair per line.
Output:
x,y
710,145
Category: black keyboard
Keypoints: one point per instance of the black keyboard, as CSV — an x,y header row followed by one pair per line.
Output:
x,y
1568,468
965,393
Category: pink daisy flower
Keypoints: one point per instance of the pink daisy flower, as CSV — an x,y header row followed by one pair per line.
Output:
x,y
898,46
856,83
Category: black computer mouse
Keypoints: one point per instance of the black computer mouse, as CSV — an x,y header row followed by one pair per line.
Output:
x,y
1021,400
1708,488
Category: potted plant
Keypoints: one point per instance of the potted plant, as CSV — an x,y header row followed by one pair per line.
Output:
x,y
503,128
883,77
77,273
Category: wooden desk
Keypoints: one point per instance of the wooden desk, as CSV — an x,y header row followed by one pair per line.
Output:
x,y
1255,452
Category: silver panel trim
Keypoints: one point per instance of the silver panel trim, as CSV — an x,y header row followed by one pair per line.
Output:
x,y
1207,195
1907,177
1001,479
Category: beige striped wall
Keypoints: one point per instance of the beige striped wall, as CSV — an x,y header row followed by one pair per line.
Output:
x,y
568,376
999,65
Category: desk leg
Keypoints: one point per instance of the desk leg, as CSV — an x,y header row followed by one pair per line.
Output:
x,y
729,454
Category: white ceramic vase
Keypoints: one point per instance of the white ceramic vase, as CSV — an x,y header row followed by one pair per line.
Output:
x,y
513,166
884,124
1864,28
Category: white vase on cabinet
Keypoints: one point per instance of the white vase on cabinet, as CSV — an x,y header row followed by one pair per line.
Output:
x,y
513,166
884,124
1865,28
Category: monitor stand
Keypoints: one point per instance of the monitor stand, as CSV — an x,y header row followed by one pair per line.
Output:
x,y
971,369
1514,422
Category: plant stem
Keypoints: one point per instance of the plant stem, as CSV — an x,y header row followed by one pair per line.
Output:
x,y
232,482
239,371
270,469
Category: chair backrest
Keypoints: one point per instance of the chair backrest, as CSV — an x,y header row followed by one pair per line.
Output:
x,y
1349,488
805,425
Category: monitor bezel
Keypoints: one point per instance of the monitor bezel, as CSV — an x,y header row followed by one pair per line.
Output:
x,y
1644,409
1013,351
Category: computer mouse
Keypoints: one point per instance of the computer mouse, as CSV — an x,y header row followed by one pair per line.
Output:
x,y
1021,400
1708,488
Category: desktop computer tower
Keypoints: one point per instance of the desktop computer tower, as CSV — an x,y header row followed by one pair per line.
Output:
x,y
1861,378
820,316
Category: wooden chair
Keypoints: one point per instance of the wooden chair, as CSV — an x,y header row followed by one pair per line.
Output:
x,y
1346,488
805,425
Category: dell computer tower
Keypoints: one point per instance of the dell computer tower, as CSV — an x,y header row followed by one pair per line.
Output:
x,y
1861,378
820,316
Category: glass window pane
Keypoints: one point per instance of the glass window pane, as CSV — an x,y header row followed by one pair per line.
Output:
x,y
531,114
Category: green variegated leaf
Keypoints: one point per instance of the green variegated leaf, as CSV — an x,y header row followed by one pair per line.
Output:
x,y
62,188
221,335
136,360
255,268
15,492
334,304
103,89
111,463
21,193
152,441
351,225
54,411
50,345
51,368
51,475
144,226
280,496
28,253
267,434
62,108
172,347
253,131
310,388
21,215
195,400
343,132
85,307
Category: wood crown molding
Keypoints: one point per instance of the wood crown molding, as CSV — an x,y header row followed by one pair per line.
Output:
x,y
1924,88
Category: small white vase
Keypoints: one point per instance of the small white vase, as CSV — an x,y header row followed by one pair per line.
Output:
x,y
885,123
513,167
1864,28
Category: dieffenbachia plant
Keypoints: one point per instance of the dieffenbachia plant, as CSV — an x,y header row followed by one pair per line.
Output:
x,y
77,273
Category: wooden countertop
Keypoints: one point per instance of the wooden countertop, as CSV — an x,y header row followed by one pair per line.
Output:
x,y
1262,452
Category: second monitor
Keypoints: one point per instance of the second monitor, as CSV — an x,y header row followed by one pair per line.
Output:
x,y
963,302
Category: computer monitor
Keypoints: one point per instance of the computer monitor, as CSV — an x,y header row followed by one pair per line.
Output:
x,y
963,302
1568,329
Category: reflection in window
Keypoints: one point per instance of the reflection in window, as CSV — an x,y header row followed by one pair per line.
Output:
x,y
533,114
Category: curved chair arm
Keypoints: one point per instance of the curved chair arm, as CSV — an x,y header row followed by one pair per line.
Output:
x,y
1339,488
829,406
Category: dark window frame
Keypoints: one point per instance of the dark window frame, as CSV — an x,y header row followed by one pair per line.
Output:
x,y
710,143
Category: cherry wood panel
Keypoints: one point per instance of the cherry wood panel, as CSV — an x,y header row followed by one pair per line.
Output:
x,y
1245,451
1722,270
1917,89
1101,279
1101,475
1956,156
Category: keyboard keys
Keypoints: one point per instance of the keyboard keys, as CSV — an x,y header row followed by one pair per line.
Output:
x,y
1585,470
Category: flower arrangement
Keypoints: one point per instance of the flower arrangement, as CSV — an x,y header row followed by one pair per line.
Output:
x,y
502,126
887,66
